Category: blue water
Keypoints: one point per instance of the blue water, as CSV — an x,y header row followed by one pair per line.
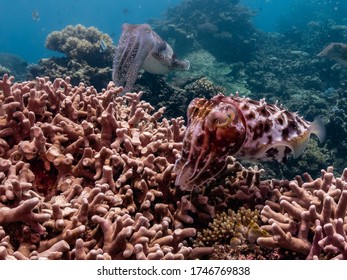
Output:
x,y
21,34
269,13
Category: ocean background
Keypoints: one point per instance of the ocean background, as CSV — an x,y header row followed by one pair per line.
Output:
x,y
23,35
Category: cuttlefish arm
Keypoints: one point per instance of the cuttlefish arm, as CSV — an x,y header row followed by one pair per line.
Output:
x,y
134,45
335,51
165,55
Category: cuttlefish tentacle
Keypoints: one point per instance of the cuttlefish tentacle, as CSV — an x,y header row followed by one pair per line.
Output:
x,y
165,55
212,133
140,47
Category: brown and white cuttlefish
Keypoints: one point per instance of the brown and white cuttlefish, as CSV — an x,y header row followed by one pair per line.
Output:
x,y
335,51
140,47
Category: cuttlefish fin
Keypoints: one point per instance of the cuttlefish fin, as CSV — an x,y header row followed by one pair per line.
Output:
x,y
317,128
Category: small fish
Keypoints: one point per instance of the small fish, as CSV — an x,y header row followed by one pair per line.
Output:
x,y
103,46
125,11
246,129
335,51
35,15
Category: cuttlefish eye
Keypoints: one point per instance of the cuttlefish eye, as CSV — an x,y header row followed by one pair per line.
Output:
x,y
224,121
221,118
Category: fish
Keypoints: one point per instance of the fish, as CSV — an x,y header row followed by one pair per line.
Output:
x,y
336,52
240,127
103,46
125,11
35,15
139,47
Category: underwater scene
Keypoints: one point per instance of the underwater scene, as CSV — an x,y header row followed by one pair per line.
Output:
x,y
176,130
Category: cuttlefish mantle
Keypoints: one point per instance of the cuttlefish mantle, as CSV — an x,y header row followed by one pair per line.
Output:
x,y
139,47
335,51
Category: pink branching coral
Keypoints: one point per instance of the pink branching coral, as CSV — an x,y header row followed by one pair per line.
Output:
x,y
309,217
306,217
88,175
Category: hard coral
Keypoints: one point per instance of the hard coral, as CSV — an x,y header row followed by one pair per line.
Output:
x,y
82,43
250,252
309,217
212,25
203,87
88,56
89,175
231,228
109,160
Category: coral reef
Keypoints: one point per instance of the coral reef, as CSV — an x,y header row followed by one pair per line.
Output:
x,y
174,98
77,71
203,87
337,128
305,218
278,66
4,70
82,43
14,65
326,20
212,25
250,252
231,228
85,59
309,216
87,175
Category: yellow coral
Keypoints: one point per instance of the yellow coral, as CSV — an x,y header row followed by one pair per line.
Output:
x,y
231,227
81,43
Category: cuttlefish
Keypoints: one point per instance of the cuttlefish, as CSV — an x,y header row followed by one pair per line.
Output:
x,y
335,51
139,47
241,127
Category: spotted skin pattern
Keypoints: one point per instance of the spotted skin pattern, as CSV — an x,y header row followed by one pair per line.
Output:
x,y
241,127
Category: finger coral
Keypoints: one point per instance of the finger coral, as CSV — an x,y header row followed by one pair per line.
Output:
x,y
89,175
306,208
